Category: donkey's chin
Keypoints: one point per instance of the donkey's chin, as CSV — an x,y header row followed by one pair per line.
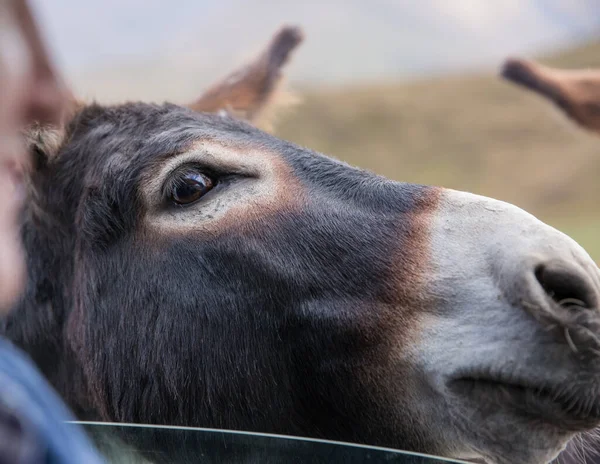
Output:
x,y
567,409
522,421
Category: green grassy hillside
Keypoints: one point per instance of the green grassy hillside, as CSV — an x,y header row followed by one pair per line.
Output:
x,y
469,132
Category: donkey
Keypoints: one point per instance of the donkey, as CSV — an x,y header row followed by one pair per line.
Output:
x,y
185,267
575,92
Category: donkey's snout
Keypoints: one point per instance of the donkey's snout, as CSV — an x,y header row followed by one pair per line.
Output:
x,y
533,266
515,336
567,284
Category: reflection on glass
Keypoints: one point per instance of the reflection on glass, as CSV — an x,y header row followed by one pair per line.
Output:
x,y
140,444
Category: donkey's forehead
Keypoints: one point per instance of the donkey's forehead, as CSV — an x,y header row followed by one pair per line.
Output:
x,y
138,136
141,125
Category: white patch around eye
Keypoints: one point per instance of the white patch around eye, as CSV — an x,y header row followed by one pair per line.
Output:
x,y
257,187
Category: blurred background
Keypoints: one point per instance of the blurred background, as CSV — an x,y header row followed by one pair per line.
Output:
x,y
408,89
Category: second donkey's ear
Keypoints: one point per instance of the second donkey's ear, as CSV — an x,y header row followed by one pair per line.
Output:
x,y
575,92
251,92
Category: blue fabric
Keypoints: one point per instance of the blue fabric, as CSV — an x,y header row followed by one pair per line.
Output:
x,y
32,417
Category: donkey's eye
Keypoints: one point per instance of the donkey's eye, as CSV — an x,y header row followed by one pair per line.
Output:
x,y
190,187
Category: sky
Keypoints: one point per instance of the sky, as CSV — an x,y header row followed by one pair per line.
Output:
x,y
346,40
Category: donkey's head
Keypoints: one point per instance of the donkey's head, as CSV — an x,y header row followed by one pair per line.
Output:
x,y
202,272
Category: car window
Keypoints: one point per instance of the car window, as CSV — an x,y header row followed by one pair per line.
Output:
x,y
182,445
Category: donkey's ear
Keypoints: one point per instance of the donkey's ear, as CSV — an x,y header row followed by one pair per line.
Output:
x,y
252,91
43,143
575,92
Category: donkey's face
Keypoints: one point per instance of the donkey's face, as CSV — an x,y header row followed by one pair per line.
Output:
x,y
218,276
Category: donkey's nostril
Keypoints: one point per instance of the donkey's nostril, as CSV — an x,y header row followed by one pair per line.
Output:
x,y
566,285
